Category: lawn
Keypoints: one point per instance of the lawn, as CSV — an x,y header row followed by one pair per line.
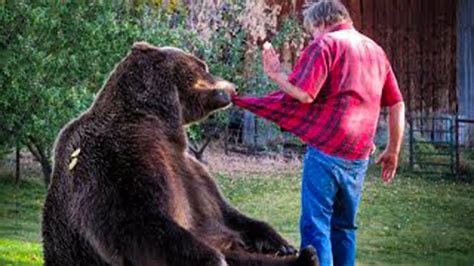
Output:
x,y
20,221
413,221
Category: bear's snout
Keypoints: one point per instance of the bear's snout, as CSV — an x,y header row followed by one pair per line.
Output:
x,y
226,86
221,98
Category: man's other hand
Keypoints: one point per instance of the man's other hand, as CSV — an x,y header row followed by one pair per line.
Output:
x,y
389,161
389,157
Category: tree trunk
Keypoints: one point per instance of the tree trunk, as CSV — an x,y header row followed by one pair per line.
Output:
x,y
41,156
46,169
199,152
17,163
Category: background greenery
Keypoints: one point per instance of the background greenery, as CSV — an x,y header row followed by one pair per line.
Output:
x,y
55,56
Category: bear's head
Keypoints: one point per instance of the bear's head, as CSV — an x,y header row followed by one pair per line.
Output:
x,y
169,82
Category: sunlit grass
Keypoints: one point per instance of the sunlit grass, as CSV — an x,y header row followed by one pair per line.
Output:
x,y
17,252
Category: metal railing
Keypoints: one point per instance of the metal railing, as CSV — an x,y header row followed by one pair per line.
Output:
x,y
459,150
432,145
435,147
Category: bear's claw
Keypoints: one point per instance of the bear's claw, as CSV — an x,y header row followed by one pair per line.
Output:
x,y
286,250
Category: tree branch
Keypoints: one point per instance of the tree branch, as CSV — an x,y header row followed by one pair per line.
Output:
x,y
35,153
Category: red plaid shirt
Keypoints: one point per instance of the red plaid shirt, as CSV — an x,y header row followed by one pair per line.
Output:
x,y
350,78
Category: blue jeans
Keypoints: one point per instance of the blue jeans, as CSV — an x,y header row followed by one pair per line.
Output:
x,y
330,195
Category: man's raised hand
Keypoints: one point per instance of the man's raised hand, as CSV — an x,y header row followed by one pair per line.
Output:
x,y
271,61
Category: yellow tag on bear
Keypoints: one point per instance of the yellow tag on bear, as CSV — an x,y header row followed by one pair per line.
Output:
x,y
73,162
76,153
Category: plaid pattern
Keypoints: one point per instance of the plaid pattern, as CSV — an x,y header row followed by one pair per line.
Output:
x,y
350,78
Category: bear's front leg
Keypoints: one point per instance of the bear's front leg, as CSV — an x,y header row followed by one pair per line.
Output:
x,y
261,238
258,236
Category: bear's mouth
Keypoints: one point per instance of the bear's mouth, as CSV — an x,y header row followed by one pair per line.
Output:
x,y
219,92
221,99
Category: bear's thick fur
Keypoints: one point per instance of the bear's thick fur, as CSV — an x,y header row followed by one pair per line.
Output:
x,y
125,192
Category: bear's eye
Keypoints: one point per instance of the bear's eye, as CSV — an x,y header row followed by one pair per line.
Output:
x,y
190,78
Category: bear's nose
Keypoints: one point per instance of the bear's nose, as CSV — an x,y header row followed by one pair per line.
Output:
x,y
222,93
221,98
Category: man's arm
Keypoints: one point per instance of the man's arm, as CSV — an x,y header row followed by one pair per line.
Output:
x,y
389,157
274,70
281,79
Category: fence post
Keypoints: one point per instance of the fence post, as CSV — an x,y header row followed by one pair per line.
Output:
x,y
452,145
456,135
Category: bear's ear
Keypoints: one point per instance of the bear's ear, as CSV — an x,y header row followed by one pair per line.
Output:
x,y
143,46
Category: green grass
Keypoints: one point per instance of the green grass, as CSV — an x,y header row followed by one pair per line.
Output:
x,y
20,208
413,221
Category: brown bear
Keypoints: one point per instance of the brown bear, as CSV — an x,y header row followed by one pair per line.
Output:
x,y
125,192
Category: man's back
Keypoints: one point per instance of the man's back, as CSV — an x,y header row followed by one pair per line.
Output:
x,y
350,78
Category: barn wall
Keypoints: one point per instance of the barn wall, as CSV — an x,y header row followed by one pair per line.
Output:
x,y
420,38
466,67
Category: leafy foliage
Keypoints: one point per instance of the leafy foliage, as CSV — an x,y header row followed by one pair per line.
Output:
x,y
55,57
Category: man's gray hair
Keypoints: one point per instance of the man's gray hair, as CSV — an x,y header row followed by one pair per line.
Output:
x,y
329,12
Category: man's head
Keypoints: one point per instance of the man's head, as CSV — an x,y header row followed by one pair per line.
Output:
x,y
320,15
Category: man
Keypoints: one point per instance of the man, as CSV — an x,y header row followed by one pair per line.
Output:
x,y
332,101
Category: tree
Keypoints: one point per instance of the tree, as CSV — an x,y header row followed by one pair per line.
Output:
x,y
55,59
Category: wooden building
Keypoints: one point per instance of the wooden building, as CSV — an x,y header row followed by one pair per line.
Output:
x,y
430,44
466,68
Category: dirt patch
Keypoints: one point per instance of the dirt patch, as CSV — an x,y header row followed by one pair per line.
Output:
x,y
231,165
235,164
